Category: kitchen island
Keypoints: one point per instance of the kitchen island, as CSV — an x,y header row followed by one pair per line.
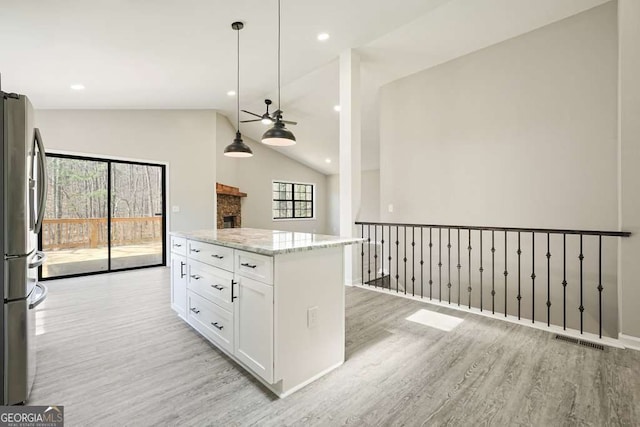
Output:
x,y
273,301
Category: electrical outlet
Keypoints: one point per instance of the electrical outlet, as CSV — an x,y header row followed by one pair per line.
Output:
x,y
175,208
312,317
390,207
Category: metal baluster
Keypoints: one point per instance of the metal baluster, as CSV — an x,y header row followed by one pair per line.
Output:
x,y
440,264
459,267
413,262
548,282
449,262
581,308
369,253
397,259
519,297
382,256
421,264
506,273
430,264
390,258
405,259
493,273
564,282
533,277
600,286
469,288
375,255
362,251
481,270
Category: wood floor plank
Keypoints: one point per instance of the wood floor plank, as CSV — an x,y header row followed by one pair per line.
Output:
x,y
112,352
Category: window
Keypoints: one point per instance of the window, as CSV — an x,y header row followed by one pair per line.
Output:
x,y
292,201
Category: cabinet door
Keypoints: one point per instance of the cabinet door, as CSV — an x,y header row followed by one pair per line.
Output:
x,y
253,318
179,284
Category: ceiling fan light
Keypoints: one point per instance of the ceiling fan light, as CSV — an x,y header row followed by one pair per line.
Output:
x,y
266,121
278,136
238,148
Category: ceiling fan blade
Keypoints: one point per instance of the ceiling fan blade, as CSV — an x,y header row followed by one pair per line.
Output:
x,y
253,114
288,122
249,121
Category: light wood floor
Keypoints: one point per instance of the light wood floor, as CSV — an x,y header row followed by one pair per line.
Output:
x,y
113,353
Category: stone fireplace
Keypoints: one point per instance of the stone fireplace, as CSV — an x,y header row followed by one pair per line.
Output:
x,y
229,206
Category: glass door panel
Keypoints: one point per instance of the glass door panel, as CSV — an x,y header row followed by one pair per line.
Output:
x,y
137,206
74,231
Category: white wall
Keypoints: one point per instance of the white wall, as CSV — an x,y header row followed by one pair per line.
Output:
x,y
254,176
629,30
522,133
370,195
184,139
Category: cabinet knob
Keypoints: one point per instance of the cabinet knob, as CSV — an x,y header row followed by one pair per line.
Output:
x,y
215,325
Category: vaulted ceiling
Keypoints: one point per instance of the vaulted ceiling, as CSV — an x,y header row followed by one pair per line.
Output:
x,y
168,54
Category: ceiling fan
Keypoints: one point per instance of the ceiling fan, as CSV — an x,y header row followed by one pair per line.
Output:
x,y
268,118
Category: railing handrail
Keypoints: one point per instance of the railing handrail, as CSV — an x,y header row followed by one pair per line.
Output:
x,y
509,229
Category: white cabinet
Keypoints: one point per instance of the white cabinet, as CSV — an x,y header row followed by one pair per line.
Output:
x,y
179,284
253,324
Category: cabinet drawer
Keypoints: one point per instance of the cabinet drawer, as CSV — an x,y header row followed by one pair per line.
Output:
x,y
258,267
215,255
179,245
211,283
213,322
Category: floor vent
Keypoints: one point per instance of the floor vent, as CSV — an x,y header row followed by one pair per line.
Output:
x,y
580,342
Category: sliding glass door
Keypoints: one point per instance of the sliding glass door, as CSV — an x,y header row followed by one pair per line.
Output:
x,y
102,215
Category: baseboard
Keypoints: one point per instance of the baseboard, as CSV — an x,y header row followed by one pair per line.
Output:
x,y
309,381
629,341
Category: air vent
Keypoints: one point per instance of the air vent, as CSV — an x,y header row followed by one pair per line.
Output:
x,y
580,342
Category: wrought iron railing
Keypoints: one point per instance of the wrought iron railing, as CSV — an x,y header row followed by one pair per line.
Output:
x,y
410,259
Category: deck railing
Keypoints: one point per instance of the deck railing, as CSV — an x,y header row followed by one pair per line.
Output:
x,y
461,265
73,233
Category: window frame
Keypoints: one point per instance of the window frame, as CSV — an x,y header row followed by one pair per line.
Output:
x,y
293,200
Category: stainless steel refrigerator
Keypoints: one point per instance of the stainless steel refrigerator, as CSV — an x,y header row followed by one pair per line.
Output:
x,y
23,180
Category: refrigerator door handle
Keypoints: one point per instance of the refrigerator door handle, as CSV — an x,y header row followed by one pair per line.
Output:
x,y
41,258
43,181
42,297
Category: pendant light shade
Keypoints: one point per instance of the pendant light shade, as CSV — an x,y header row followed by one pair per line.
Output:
x,y
278,135
238,148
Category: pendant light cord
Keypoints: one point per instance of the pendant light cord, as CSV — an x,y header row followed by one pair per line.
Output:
x,y
278,54
238,86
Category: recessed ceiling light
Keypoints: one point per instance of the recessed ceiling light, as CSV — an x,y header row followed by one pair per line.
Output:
x,y
328,160
77,86
336,108
323,36
231,93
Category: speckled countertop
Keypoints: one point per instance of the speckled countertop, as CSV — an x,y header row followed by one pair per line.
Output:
x,y
266,242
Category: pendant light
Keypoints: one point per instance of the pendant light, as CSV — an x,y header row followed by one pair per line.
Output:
x,y
238,148
278,135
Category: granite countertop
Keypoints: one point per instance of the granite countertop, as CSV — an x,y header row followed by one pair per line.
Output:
x,y
267,242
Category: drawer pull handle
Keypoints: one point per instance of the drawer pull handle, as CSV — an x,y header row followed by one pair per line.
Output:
x,y
233,282
182,273
195,250
215,325
195,310
218,287
216,256
246,264
196,277
177,245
